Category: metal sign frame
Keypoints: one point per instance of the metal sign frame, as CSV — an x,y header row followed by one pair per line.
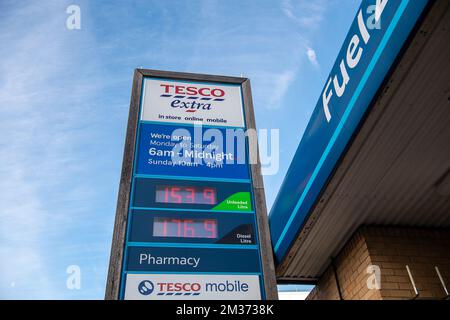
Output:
x,y
124,194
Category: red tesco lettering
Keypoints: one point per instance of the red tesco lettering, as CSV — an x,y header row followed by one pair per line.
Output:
x,y
193,91
177,286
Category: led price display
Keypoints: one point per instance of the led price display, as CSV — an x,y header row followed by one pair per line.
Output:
x,y
186,195
184,228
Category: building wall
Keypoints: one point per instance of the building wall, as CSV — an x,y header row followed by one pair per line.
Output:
x,y
390,250
350,265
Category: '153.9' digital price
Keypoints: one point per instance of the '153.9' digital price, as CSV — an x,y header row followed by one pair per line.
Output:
x,y
186,195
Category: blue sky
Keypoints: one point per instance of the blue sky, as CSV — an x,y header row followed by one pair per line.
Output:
x,y
64,99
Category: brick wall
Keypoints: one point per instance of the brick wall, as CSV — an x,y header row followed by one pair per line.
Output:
x,y
350,265
421,249
390,249
326,289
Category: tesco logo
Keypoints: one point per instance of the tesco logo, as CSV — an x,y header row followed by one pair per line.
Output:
x,y
193,91
178,286
147,287
192,98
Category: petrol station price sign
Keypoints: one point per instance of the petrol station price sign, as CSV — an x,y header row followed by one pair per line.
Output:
x,y
187,197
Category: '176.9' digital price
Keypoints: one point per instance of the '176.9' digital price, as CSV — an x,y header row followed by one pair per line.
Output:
x,y
184,228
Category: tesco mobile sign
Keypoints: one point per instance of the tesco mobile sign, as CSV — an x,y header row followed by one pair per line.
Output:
x,y
190,102
192,287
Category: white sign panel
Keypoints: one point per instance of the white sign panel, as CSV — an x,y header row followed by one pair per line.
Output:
x,y
192,287
190,102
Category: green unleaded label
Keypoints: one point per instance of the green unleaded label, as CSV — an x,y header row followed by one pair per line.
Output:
x,y
237,202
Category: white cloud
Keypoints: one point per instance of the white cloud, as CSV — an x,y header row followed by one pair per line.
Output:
x,y
281,84
305,13
312,57
40,110
287,8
